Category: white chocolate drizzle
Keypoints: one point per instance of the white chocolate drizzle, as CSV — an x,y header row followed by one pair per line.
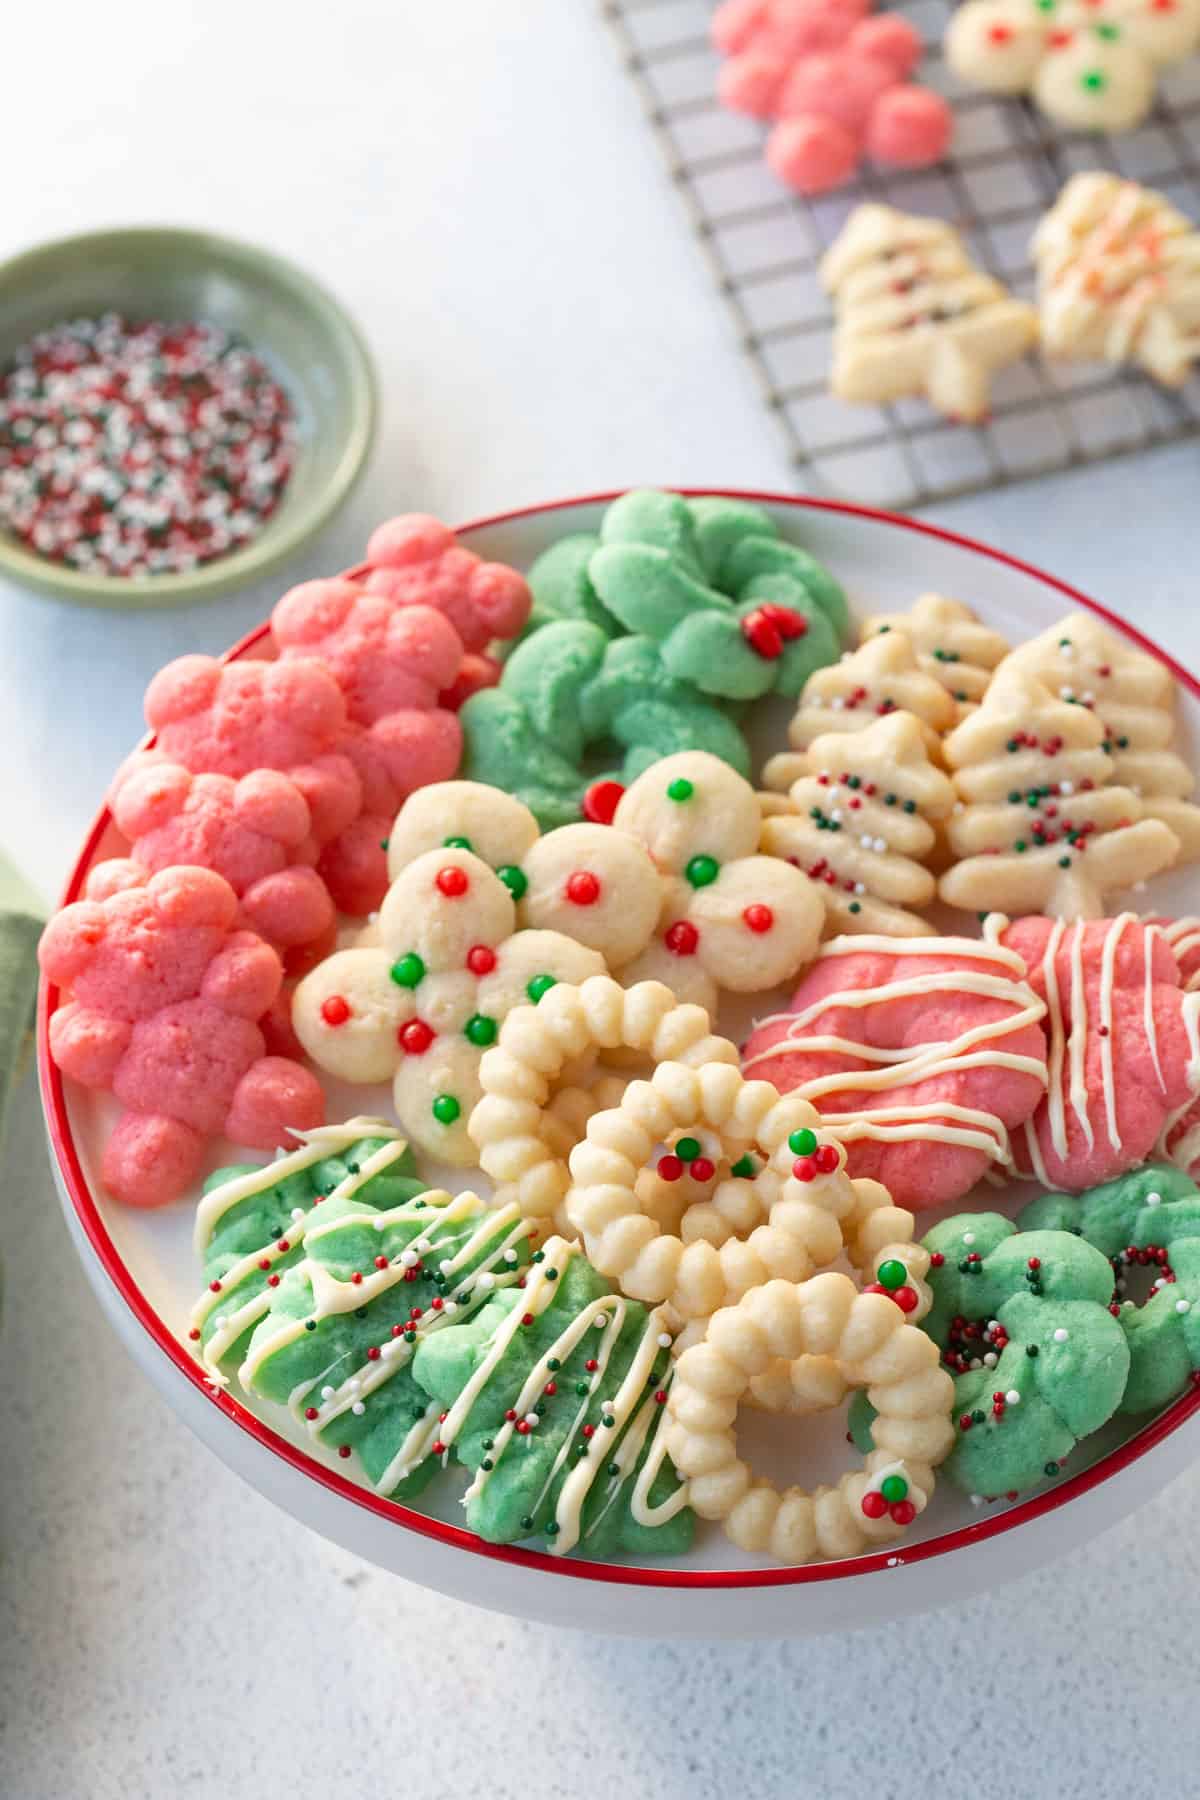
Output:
x,y
942,1121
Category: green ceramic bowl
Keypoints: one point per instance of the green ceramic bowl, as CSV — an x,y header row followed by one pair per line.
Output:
x,y
298,328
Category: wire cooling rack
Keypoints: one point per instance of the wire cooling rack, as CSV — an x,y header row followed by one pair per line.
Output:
x,y
764,243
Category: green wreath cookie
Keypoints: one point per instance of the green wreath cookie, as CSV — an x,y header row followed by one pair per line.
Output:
x,y
1039,1361
252,1221
736,610
570,694
339,1342
554,1397
1149,1217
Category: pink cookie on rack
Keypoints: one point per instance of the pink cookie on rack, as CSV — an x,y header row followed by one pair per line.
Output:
x,y
1122,1059
391,663
925,1055
836,83
165,995
256,832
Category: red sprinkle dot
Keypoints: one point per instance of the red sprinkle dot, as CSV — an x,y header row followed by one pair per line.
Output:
x,y
805,1168
343,1449
335,1010
437,1448
551,1387
591,1365
906,1298
601,800
481,960
936,1260
759,918
193,1334
660,1396
381,1262
589,1431
415,1037
873,1504
827,1159
272,1281
526,1318
452,881
670,1168
264,1262
703,1169
903,1512
583,888
523,1427
510,1415
681,938
310,1412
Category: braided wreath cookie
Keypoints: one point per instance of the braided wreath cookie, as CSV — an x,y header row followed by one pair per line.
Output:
x,y
1039,1362
779,1205
1149,1218
871,1346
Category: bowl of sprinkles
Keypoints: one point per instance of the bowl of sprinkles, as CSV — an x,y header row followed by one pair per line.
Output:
x,y
179,414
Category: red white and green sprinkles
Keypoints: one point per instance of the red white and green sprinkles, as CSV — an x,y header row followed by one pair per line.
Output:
x,y
140,449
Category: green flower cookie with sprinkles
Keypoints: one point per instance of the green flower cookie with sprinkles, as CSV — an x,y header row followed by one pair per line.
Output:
x,y
736,610
252,1221
1149,1218
554,1397
568,694
420,1006
339,1342
1023,1320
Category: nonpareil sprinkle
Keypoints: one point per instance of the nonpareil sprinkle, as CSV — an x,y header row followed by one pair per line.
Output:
x,y
140,449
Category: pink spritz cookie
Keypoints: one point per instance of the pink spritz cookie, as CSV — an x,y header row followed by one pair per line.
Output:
x,y
924,1055
1124,1047
418,561
391,664
166,993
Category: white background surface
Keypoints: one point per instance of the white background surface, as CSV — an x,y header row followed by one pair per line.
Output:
x,y
476,181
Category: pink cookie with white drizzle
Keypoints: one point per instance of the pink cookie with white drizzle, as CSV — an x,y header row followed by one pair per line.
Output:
x,y
922,1054
1124,1047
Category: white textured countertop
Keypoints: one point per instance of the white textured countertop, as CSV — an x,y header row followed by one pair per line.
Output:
x,y
477,183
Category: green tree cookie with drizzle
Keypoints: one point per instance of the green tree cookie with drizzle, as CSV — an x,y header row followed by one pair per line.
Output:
x,y
338,1344
735,609
554,1396
1039,1362
252,1221
1149,1218
568,696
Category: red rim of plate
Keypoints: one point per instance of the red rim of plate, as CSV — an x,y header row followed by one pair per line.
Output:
x,y
62,1142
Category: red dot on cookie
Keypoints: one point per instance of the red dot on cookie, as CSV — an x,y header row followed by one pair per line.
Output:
x,y
805,1168
583,888
601,800
999,34
763,636
702,1168
903,1512
670,1168
826,1159
681,938
906,1298
481,960
759,918
873,1504
452,881
415,1037
335,1010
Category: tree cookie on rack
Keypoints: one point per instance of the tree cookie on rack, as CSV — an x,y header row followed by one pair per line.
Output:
x,y
1119,276
950,643
861,825
1132,694
914,315
1043,828
882,676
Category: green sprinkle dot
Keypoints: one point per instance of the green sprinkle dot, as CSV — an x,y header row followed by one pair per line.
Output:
x,y
893,1488
1110,33
855,907
1031,799
457,843
1012,745
744,1168
702,871
614,1468
541,984
961,695
310,1324
527,1523
688,1149
1014,799
553,1365
360,1312
581,1387
481,1030
488,1443
680,790
1094,81
910,806
889,799
978,1415
487,1463
384,842
1020,846
1052,1468
892,1274
551,1274
538,1256
1122,743
446,1109
855,781
1064,862
408,970
514,880
802,1142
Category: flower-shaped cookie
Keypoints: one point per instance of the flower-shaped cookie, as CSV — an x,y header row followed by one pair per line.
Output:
x,y
736,610
421,1007
1089,64
730,918
417,561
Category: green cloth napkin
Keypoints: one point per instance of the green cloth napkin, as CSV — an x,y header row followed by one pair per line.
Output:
x,y
21,916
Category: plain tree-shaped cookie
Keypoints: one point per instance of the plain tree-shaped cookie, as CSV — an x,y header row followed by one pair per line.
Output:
x,y
882,676
1119,277
1043,827
1132,695
860,824
915,316
950,644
